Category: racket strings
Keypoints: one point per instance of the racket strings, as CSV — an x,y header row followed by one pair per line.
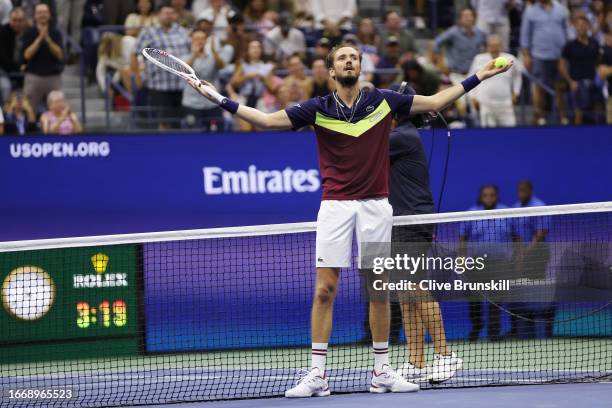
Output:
x,y
170,62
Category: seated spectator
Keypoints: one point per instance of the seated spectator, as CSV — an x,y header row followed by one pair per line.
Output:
x,y
333,18
605,71
321,49
289,95
199,112
597,18
43,53
19,118
258,16
11,36
284,40
393,28
302,11
165,90
578,66
219,14
184,18
391,61
322,84
251,79
424,81
297,76
145,17
368,38
495,99
59,119
110,59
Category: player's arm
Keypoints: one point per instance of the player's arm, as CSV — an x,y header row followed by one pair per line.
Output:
x,y
269,121
439,101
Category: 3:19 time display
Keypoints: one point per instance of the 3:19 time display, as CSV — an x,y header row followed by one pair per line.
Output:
x,y
105,314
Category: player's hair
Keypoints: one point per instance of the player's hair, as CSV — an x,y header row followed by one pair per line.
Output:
x,y
329,60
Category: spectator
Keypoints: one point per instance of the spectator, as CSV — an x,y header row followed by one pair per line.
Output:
x,y
424,81
368,38
321,49
495,100
20,118
390,62
297,78
494,239
578,66
333,18
367,64
322,84
462,42
393,28
605,71
597,17
284,40
59,118
493,18
110,59
44,56
145,17
1,122
219,14
532,259
11,37
198,6
184,17
257,15
251,79
199,112
69,17
237,36
541,44
165,90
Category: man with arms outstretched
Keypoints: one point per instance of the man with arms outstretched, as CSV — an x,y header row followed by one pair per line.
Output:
x,y
352,129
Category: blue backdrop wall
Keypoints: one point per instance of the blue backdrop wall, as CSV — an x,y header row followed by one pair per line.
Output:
x,y
102,184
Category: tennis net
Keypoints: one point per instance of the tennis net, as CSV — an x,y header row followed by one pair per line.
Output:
x,y
225,313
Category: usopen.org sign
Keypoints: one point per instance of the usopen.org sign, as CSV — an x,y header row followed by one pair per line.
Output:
x,y
253,180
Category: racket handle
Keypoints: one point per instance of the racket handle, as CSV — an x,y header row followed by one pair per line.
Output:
x,y
225,103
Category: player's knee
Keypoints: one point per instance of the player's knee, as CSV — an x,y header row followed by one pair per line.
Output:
x,y
325,294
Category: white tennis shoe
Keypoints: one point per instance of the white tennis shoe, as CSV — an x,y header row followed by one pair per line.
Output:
x,y
310,384
444,368
389,380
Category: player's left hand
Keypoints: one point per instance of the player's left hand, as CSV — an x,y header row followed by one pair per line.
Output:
x,y
489,70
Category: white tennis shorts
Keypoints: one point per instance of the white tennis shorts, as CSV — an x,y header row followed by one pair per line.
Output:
x,y
371,219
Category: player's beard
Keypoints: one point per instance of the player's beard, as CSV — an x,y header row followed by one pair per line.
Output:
x,y
347,80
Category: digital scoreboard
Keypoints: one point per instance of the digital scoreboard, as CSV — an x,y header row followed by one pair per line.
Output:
x,y
69,303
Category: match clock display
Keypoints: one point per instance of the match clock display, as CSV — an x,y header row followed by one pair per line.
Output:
x,y
79,302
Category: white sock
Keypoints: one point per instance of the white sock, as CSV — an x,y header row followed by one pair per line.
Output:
x,y
319,354
381,355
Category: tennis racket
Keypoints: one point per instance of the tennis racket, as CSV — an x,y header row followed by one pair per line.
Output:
x,y
178,67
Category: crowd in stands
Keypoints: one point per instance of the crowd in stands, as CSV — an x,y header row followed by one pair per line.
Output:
x,y
270,54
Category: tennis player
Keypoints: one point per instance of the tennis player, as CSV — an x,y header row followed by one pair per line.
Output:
x,y
352,129
410,194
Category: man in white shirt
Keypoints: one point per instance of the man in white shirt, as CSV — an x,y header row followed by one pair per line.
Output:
x,y
496,98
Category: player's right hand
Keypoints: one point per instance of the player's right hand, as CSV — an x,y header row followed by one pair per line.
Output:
x,y
202,87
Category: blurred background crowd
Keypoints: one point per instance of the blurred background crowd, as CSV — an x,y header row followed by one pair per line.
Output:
x,y
66,65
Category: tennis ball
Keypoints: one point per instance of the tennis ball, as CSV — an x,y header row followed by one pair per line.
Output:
x,y
501,62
